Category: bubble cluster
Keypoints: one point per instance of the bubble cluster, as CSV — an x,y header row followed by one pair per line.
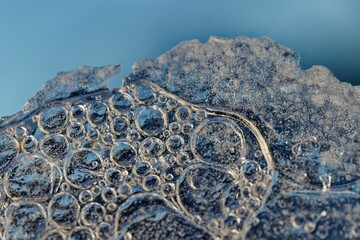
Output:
x,y
132,163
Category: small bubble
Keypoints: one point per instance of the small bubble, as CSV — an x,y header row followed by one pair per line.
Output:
x,y
162,98
108,194
309,227
20,132
168,189
104,231
183,114
96,190
171,104
151,182
151,121
108,218
115,176
125,189
123,154
98,113
250,170
65,187
93,134
120,125
92,214
200,115
141,168
187,128
175,143
133,135
183,158
108,138
76,131
53,119
169,177
111,207
170,159
86,196
29,144
297,220
121,102
78,111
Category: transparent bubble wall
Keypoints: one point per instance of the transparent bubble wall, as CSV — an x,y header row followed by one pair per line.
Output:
x,y
166,157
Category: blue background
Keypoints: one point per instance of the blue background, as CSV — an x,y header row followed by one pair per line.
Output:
x,y
40,38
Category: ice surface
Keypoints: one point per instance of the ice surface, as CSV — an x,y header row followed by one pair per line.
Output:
x,y
228,139
85,79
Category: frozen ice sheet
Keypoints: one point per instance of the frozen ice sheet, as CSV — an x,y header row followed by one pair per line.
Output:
x,y
228,139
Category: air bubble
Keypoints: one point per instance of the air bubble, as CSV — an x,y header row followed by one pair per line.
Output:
x,y
108,138
151,121
175,143
86,196
183,114
171,104
151,182
76,131
183,158
125,189
111,207
187,128
120,125
98,113
309,227
20,132
9,149
162,99
78,111
53,119
152,147
175,127
96,190
218,141
250,170
55,146
168,189
121,102
170,159
108,194
93,134
123,154
64,210
115,176
141,168
31,179
104,231
92,214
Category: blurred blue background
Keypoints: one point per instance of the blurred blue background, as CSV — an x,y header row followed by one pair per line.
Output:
x,y
40,38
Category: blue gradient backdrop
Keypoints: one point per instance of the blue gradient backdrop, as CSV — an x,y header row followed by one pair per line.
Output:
x,y
40,38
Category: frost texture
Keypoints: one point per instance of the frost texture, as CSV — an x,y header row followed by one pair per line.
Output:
x,y
82,80
229,139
